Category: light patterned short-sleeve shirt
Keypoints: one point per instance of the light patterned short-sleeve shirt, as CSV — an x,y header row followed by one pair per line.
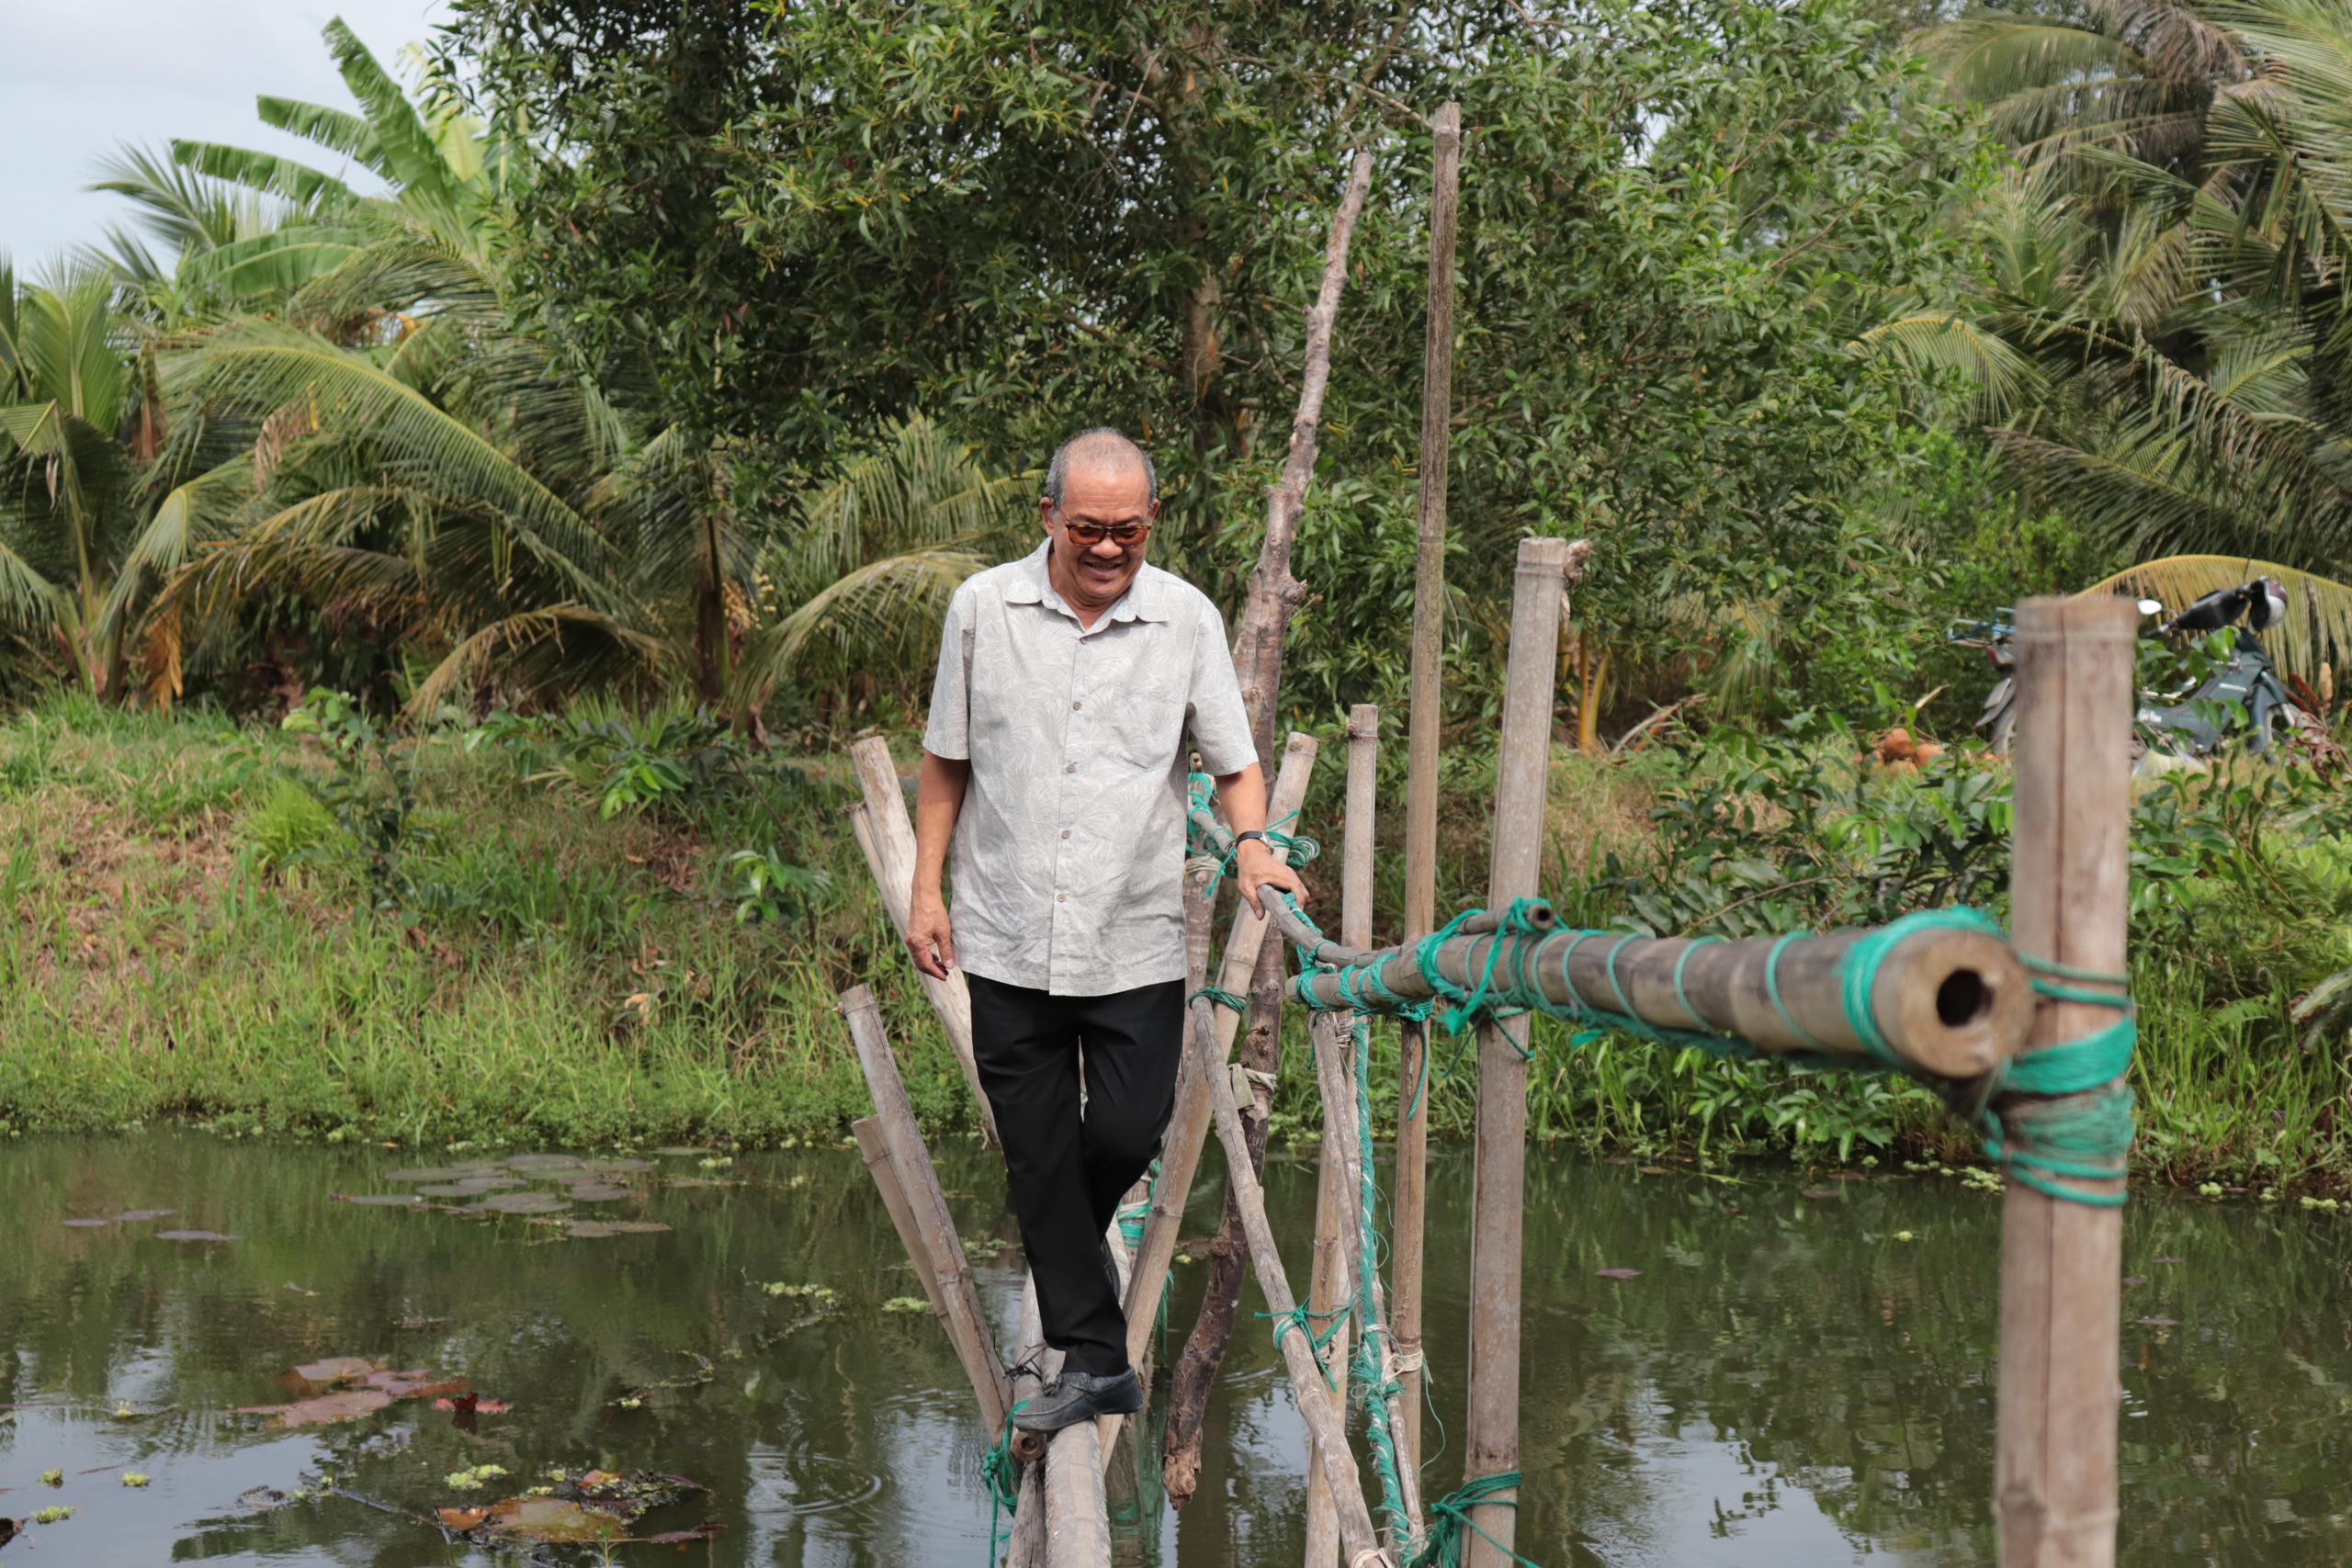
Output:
x,y
1068,859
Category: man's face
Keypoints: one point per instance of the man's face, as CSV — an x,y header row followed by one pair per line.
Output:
x,y
1109,504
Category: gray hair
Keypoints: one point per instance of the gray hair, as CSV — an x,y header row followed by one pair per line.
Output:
x,y
1085,443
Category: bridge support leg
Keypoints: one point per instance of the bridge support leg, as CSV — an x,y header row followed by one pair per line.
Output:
x,y
2060,1262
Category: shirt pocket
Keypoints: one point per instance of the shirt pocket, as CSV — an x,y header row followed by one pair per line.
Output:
x,y
1140,687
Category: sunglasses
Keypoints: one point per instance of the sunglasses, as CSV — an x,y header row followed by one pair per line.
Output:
x,y
1087,534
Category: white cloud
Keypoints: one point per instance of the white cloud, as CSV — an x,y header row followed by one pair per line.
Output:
x,y
79,76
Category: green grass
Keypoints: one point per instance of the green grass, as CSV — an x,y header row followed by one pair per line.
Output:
x,y
190,935
184,940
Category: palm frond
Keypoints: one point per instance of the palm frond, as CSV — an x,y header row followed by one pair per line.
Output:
x,y
264,172
1941,343
2318,625
528,652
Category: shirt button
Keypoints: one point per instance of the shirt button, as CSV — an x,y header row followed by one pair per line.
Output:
x,y
1065,832
1069,767
1061,898
1077,704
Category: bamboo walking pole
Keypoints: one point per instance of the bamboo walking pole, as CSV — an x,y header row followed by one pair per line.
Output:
x,y
1333,1283
1426,715
2060,1262
1522,768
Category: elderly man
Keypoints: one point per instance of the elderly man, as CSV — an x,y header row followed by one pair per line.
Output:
x,y
1055,763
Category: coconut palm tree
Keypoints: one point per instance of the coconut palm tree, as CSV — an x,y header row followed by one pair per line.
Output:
x,y
80,428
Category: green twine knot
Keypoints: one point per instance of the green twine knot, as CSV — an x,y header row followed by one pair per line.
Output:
x,y
1003,1474
1229,1000
2063,1115
1298,1320
1450,1521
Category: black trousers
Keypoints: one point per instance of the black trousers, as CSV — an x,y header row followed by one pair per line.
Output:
x,y
1068,1170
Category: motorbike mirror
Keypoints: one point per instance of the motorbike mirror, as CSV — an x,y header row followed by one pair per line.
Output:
x,y
2151,607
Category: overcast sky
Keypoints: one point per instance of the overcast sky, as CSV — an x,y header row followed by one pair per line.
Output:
x,y
77,76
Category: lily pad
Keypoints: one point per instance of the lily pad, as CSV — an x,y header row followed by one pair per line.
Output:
x,y
135,1216
594,1193
544,1162
524,1204
195,1235
590,1230
1618,1273
447,1190
87,1224
615,1167
347,1405
539,1518
1820,1192
2159,1322
380,1200
678,1149
431,1173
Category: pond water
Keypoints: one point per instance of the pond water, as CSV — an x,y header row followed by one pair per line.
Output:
x,y
1786,1381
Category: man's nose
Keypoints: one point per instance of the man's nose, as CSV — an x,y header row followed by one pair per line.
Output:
x,y
1107,548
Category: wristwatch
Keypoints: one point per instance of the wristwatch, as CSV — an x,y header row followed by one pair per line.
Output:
x,y
1250,833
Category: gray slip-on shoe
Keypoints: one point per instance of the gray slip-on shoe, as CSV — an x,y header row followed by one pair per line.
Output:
x,y
1081,1396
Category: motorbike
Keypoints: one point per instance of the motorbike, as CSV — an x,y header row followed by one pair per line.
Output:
x,y
2178,725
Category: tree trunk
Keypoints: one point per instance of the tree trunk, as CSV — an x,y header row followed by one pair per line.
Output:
x,y
1274,597
1204,1353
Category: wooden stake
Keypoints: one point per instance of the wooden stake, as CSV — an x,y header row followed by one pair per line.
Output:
x,y
886,834
1426,693
1188,1127
2061,1262
959,1299
877,1149
1331,1285
1522,767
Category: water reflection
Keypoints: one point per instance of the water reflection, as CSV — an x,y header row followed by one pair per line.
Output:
x,y
1781,1380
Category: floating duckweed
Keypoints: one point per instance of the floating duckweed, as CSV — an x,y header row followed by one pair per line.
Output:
x,y
467,1480
134,1478
56,1514
1903,1236
820,1295
717,1162
53,1478
905,1303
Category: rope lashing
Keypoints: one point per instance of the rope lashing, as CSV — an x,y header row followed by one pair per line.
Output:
x,y
1375,1361
1200,793
1001,1473
1230,1000
1299,1320
1450,1522
2076,1126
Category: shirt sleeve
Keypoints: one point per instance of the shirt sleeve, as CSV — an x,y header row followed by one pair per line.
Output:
x,y
949,732
1213,711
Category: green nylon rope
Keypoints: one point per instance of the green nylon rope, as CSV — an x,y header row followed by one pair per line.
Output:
x,y
1002,1475
1450,1522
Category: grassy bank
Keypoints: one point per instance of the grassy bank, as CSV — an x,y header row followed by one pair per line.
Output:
x,y
553,931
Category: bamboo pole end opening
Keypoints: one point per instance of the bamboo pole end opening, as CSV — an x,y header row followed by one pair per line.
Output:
x,y
1957,1003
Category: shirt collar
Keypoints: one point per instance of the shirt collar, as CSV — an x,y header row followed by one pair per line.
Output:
x,y
1145,600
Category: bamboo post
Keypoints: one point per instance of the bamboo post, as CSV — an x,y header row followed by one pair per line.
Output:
x,y
2061,1262
886,834
959,1299
1036,1366
1077,1522
1522,766
1427,692
1338,1464
1331,1286
876,1150
1188,1126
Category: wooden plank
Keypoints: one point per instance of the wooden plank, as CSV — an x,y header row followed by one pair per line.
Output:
x,y
886,834
927,1206
2056,1459
1427,695
1188,1127
1490,1440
